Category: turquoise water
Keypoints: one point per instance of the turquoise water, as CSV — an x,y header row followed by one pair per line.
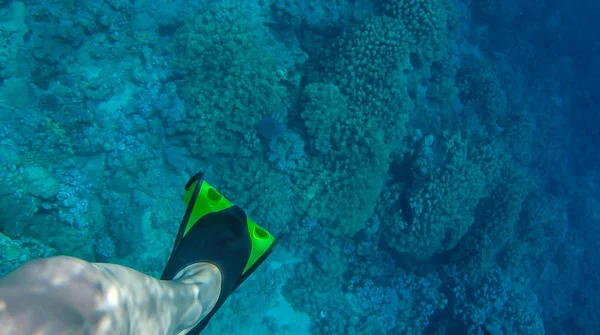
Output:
x,y
428,166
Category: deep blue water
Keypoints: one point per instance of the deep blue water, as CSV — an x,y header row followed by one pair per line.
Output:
x,y
429,166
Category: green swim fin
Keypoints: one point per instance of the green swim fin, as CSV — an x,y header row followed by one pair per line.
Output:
x,y
215,230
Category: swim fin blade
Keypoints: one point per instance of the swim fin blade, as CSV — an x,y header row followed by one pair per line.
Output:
x,y
216,231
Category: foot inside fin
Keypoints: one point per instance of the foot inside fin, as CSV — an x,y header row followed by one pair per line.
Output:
x,y
215,230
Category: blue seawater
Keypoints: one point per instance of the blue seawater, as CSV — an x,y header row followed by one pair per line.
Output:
x,y
428,166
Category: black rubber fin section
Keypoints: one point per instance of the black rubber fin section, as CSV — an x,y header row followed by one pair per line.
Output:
x,y
219,238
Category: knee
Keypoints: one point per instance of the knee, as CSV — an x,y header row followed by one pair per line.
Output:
x,y
47,271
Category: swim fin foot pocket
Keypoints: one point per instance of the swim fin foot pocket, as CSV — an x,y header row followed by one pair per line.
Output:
x,y
216,231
